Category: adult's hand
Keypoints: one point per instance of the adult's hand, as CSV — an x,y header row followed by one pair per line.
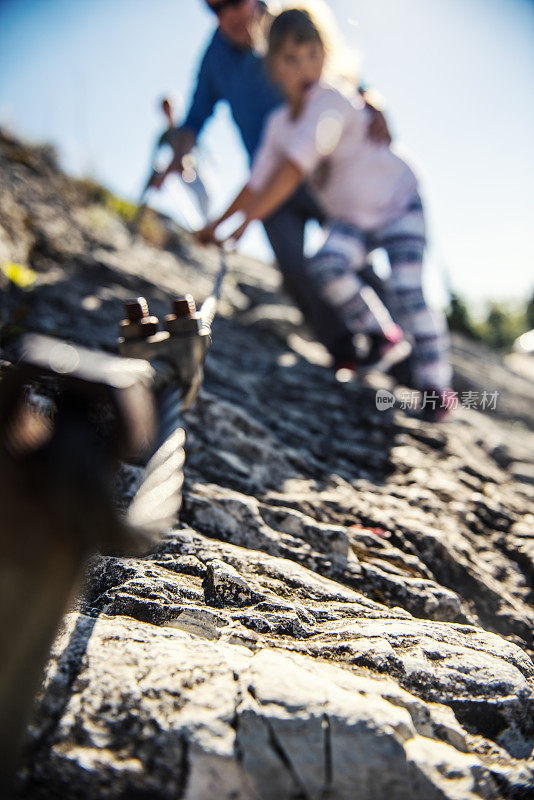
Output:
x,y
182,142
378,126
156,180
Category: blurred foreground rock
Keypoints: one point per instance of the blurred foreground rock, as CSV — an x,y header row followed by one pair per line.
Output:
x,y
345,609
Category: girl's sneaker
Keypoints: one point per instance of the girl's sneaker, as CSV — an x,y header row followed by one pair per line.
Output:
x,y
387,350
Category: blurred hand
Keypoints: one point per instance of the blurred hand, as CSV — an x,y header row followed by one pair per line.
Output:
x,y
182,142
238,233
322,173
156,181
207,235
378,127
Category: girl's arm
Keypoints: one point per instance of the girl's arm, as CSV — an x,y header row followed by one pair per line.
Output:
x,y
279,188
257,205
241,203
278,178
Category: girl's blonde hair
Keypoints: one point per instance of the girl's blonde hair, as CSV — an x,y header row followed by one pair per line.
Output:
x,y
316,22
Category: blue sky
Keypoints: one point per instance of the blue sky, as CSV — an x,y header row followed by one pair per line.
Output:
x,y
458,77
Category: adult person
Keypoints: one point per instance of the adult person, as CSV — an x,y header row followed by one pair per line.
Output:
x,y
232,70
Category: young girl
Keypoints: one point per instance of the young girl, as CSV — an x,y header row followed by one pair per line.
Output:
x,y
369,194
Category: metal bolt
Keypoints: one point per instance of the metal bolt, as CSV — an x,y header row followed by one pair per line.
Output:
x,y
136,310
138,324
185,317
184,307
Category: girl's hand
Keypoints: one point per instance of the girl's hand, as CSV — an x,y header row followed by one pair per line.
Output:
x,y
238,233
207,235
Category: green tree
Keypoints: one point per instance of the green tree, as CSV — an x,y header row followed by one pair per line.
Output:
x,y
503,324
529,313
459,318
497,327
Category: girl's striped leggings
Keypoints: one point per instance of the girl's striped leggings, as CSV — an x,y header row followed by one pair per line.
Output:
x,y
334,269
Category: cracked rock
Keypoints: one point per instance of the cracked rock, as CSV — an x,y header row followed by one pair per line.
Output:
x,y
344,609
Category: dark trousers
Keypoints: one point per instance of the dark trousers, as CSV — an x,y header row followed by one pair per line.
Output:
x,y
285,230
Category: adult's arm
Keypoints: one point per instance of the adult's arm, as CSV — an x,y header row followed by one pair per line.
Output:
x,y
182,139
182,142
204,97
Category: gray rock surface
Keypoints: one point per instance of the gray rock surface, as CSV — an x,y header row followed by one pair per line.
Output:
x,y
345,608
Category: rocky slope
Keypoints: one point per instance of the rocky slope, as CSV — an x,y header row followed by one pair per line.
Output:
x,y
345,608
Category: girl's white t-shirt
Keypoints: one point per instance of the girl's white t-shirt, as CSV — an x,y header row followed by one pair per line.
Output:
x,y
355,179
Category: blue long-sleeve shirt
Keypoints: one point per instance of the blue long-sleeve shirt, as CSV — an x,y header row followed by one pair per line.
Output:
x,y
240,78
